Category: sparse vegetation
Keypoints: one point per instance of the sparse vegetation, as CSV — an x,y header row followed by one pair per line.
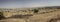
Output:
x,y
1,15
42,14
35,10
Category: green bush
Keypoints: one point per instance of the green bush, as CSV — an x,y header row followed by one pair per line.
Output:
x,y
35,10
1,15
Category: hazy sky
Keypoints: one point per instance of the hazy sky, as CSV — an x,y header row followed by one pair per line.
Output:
x,y
28,3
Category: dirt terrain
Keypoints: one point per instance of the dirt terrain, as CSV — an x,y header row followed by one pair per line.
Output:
x,y
42,16
45,17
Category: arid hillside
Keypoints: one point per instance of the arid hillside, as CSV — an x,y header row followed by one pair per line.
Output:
x,y
43,14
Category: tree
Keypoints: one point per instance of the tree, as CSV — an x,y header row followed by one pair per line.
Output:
x,y
1,15
35,10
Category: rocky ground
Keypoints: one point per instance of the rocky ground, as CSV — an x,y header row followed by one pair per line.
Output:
x,y
45,16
